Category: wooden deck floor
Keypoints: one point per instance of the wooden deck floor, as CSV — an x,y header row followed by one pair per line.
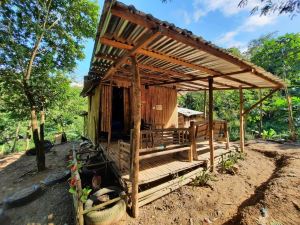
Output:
x,y
159,167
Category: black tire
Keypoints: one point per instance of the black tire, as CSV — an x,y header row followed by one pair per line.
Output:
x,y
23,196
56,178
107,216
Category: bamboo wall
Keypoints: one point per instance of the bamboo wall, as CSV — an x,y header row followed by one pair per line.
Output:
x,y
93,115
159,107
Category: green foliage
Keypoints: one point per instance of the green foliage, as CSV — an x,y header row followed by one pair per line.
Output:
x,y
268,134
85,194
227,162
204,177
278,55
40,42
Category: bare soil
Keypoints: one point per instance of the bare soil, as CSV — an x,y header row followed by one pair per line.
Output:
x,y
267,180
54,206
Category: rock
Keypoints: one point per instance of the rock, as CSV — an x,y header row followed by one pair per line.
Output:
x,y
235,169
296,204
207,220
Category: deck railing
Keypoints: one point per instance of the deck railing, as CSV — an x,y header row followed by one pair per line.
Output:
x,y
158,142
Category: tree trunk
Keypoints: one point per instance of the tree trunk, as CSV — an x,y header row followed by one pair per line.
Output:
x,y
16,138
28,136
40,153
291,119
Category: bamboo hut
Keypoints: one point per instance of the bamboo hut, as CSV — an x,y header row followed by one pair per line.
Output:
x,y
138,66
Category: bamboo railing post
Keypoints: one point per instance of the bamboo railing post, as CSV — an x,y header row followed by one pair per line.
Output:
x,y
210,122
242,132
136,86
192,141
226,135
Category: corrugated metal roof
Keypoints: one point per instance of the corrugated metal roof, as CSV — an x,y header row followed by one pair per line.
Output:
x,y
172,57
189,112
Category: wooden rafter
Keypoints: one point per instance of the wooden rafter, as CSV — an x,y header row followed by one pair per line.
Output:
x,y
146,39
156,55
177,74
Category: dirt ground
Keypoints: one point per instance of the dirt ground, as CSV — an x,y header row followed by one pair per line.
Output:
x,y
268,181
54,206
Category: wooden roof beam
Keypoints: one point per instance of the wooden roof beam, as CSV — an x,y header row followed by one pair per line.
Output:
x,y
146,39
148,67
117,44
155,55
156,69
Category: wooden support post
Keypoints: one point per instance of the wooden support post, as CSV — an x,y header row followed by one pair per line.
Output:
x,y
210,122
242,132
110,116
260,113
136,86
226,136
192,152
204,105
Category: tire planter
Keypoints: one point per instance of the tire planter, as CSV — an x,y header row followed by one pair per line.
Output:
x,y
56,178
23,196
109,215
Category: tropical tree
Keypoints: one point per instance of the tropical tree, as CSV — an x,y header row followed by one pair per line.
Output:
x,y
38,39
265,7
281,56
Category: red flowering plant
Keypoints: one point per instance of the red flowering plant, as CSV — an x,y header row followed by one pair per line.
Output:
x,y
72,180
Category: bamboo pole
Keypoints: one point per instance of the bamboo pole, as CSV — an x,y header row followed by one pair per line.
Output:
x,y
204,105
136,86
260,113
210,122
242,131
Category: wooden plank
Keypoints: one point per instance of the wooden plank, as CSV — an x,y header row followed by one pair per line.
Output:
x,y
151,155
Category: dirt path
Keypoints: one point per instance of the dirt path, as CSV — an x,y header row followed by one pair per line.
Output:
x,y
54,206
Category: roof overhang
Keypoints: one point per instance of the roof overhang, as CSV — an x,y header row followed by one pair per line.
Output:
x,y
167,55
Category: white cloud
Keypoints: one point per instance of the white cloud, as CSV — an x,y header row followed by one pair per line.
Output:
x,y
187,19
77,83
226,7
249,25
255,21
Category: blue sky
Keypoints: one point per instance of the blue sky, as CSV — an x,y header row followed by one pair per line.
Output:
x,y
218,21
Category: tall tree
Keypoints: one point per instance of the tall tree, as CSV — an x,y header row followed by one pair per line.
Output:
x,y
265,7
281,56
37,40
